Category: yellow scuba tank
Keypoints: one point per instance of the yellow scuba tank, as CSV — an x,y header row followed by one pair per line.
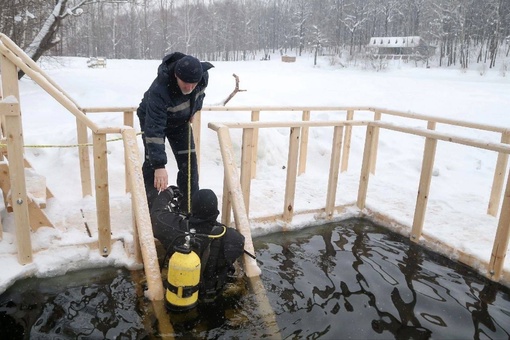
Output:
x,y
183,278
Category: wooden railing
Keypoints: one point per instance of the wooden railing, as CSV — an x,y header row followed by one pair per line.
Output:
x,y
342,140
344,113
12,58
494,265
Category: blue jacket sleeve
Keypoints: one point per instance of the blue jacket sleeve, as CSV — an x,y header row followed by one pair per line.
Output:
x,y
155,123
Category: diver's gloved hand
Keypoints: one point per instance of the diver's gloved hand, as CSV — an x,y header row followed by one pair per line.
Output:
x,y
173,195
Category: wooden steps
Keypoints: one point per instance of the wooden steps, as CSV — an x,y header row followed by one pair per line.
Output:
x,y
37,193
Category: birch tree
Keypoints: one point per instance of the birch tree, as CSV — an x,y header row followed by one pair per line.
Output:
x,y
47,36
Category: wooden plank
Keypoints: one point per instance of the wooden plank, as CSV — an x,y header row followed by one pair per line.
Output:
x,y
334,168
49,194
102,193
246,164
373,161
5,182
240,217
226,203
347,142
499,178
365,168
18,189
84,158
429,154
128,121
142,217
500,246
303,148
36,74
31,63
255,117
38,217
290,183
14,137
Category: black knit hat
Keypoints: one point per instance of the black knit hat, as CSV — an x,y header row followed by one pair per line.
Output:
x,y
189,69
204,205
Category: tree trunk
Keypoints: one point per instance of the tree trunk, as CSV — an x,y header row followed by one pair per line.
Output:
x,y
46,38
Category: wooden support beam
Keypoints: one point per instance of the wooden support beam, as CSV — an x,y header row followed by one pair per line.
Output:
x,y
365,168
102,193
500,246
499,178
334,169
142,218
226,203
375,146
246,167
427,166
17,173
255,117
290,183
240,217
347,142
128,121
83,154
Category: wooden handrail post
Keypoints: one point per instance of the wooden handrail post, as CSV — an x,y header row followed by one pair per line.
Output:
x,y
142,218
303,147
102,193
429,154
11,114
334,169
255,117
500,246
9,108
129,120
377,117
290,183
347,142
499,178
83,156
226,203
246,166
240,216
365,167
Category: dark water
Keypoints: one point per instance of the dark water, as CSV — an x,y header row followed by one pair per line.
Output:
x,y
351,280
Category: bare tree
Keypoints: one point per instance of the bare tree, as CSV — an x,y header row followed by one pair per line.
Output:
x,y
238,29
47,36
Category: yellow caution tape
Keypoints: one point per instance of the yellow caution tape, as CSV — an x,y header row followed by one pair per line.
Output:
x,y
65,146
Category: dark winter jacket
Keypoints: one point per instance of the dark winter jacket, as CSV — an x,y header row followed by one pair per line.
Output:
x,y
164,107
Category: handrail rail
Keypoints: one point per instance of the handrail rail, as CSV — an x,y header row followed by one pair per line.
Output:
x,y
9,61
501,241
37,74
501,163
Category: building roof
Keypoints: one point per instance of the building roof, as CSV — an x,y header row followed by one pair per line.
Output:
x,y
412,41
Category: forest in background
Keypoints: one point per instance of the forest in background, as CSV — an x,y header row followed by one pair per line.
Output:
x,y
463,31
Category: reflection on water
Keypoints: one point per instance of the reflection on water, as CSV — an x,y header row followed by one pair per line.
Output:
x,y
356,280
92,304
348,280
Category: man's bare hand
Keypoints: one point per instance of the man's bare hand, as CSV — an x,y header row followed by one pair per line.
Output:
x,y
160,179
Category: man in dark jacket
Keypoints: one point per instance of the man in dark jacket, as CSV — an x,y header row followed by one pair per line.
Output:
x,y
166,110
217,246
